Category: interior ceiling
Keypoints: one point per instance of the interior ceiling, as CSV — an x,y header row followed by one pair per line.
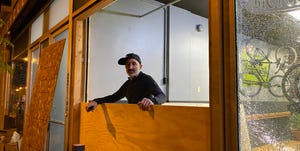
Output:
x,y
199,7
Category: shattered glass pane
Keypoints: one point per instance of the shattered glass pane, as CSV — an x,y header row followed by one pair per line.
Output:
x,y
267,45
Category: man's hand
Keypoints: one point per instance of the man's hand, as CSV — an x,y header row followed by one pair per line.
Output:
x,y
91,106
145,104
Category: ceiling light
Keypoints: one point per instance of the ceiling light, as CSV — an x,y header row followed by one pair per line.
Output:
x,y
295,14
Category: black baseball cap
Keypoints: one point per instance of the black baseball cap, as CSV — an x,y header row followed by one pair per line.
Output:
x,y
122,61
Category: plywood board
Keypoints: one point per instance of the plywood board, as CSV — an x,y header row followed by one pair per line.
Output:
x,y
38,114
125,127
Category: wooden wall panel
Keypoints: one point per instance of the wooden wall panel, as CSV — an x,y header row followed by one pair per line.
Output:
x,y
125,127
38,115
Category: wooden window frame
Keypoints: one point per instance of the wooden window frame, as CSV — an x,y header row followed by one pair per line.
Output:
x,y
222,58
222,66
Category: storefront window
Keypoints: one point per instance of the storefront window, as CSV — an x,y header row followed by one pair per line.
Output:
x,y
15,107
172,43
267,44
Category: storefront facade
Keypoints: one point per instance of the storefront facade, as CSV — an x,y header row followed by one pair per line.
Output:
x,y
252,65
71,21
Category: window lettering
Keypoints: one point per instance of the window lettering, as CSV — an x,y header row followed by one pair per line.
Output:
x,y
271,6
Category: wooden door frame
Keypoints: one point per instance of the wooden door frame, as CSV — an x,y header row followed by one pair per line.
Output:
x,y
77,37
222,66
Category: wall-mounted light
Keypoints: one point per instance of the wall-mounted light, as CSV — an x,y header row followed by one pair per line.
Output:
x,y
295,14
199,27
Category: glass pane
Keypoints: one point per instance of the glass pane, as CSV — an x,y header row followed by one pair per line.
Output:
x,y
118,30
57,117
56,138
58,107
34,66
37,25
59,9
267,44
16,104
21,43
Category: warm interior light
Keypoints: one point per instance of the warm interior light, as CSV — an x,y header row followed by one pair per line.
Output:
x,y
295,14
34,60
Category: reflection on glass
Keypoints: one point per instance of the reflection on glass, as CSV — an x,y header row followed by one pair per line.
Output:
x,y
34,66
16,105
267,44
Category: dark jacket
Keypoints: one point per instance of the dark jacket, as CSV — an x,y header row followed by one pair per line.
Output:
x,y
142,86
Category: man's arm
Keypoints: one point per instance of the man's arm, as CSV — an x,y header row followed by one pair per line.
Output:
x,y
114,97
107,99
159,98
145,103
156,95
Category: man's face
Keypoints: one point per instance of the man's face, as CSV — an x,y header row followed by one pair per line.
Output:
x,y
133,67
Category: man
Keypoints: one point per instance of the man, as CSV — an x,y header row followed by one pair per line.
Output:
x,y
140,88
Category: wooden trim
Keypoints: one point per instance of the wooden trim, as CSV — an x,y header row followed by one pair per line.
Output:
x,y
6,9
83,8
253,117
223,99
81,14
19,54
68,117
59,25
39,40
57,32
77,78
4,87
216,72
77,82
46,20
230,106
68,91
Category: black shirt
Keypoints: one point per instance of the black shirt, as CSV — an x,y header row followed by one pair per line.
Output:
x,y
142,86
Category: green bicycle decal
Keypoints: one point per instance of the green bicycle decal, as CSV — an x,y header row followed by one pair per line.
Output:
x,y
255,67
